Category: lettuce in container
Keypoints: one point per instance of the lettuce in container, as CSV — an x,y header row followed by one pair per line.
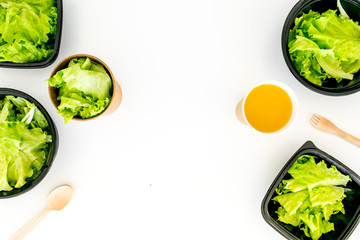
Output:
x,y
27,30
25,142
311,196
84,89
325,47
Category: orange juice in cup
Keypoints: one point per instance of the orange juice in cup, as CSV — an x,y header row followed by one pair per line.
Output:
x,y
269,107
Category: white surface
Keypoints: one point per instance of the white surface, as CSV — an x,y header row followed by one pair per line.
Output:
x,y
173,162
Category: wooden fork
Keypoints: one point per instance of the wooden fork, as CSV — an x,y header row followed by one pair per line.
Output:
x,y
325,125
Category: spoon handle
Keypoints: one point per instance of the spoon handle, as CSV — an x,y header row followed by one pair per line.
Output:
x,y
30,225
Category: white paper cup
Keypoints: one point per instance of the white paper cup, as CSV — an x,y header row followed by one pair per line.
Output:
x,y
240,113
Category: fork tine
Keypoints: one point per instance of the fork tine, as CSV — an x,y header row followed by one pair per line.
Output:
x,y
314,123
313,118
316,116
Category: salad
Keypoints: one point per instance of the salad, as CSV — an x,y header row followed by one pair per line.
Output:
x,y
324,47
27,30
311,196
85,89
25,142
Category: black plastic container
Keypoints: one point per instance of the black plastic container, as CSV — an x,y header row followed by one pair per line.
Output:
x,y
47,62
344,224
54,146
352,8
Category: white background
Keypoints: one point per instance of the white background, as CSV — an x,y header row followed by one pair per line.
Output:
x,y
173,162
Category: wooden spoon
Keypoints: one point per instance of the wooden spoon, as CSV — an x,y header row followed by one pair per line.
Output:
x,y
57,200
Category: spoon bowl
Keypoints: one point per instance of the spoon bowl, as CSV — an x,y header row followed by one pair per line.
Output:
x,y
59,197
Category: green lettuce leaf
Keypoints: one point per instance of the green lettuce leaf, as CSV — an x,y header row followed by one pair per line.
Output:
x,y
292,201
84,89
287,218
27,30
326,195
5,158
24,142
324,46
314,224
312,194
308,174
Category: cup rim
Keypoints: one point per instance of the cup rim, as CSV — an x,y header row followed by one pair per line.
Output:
x,y
293,99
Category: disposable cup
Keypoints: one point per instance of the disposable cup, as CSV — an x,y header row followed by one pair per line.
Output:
x,y
240,108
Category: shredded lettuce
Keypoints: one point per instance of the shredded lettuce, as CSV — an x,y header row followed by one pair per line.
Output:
x,y
325,46
25,142
84,89
27,30
312,194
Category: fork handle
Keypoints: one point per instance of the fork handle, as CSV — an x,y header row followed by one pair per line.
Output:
x,y
349,137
